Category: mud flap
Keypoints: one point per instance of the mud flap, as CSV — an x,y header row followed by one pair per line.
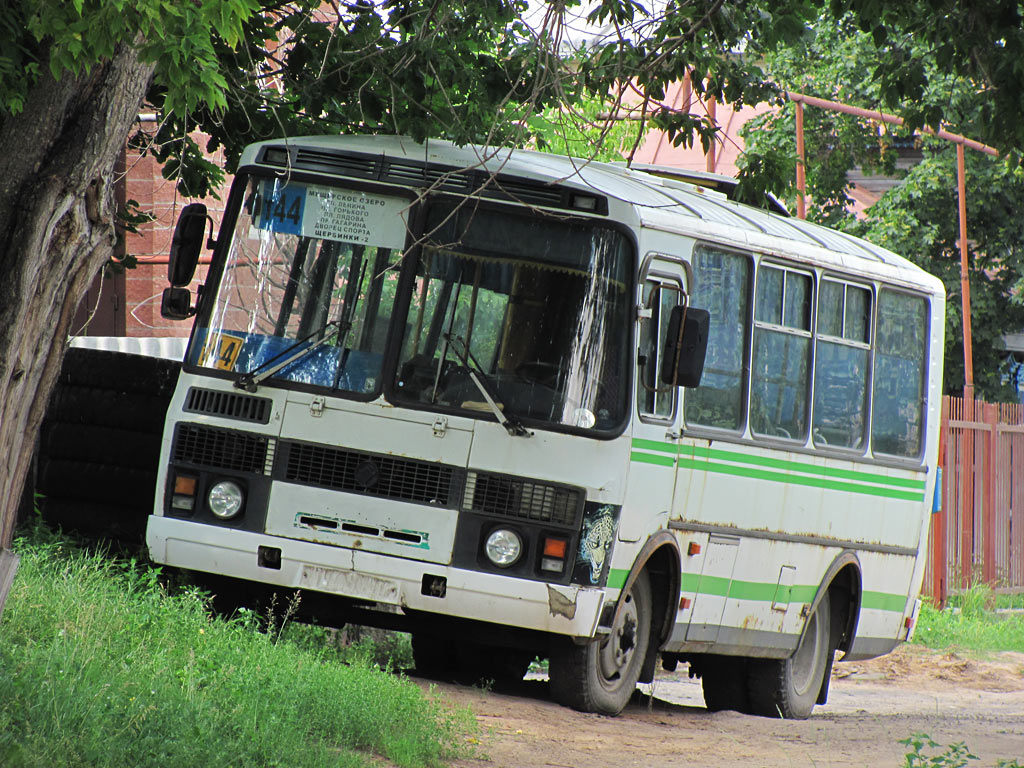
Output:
x,y
650,660
835,638
823,693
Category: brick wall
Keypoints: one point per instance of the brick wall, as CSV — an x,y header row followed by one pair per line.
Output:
x,y
144,284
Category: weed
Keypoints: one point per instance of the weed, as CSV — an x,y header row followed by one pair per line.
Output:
x,y
107,666
953,756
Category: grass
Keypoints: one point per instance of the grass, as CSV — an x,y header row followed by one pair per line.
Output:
x,y
970,623
103,667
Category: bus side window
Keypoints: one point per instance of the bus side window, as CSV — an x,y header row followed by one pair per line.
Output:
x,y
652,397
841,362
897,410
782,353
722,286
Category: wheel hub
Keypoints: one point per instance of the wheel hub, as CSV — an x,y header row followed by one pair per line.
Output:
x,y
618,649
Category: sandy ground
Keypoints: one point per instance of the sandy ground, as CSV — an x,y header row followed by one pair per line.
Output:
x,y
872,705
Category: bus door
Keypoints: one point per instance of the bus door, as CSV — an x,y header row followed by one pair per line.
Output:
x,y
655,437
709,586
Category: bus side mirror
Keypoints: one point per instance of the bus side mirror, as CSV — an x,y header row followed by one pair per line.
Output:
x,y
186,244
685,346
176,304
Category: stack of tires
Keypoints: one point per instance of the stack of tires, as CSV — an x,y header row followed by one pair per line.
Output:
x,y
99,445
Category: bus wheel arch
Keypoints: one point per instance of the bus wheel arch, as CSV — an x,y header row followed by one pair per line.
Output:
x,y
842,581
600,674
660,558
842,584
790,687
636,626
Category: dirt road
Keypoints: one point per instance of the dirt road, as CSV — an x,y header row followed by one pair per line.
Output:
x,y
872,705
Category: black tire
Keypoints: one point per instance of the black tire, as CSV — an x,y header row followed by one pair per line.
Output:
x,y
788,688
119,371
109,445
601,676
99,484
88,405
99,447
107,521
724,682
434,657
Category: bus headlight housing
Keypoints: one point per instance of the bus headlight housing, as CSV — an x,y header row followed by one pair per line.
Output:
x,y
503,547
226,499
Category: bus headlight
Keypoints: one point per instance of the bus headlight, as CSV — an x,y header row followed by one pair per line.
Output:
x,y
503,547
226,499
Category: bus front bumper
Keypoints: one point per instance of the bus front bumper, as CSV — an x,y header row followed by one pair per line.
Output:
x,y
383,579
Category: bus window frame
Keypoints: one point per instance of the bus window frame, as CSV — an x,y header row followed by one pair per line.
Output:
x,y
872,287
750,257
660,279
894,458
771,262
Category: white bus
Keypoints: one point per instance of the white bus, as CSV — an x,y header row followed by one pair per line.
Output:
x,y
438,389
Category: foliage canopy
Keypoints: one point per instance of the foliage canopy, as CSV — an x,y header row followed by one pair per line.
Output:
x,y
498,72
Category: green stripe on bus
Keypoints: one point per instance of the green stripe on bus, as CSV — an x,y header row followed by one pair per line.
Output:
x,y
746,465
655,445
617,578
762,591
797,466
650,458
768,461
883,601
814,482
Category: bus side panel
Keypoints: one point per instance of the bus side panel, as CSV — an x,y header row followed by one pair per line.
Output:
x,y
747,489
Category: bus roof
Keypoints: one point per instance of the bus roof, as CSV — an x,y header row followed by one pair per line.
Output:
x,y
660,198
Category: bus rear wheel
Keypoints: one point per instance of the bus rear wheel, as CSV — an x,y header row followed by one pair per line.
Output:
x,y
434,656
479,663
724,684
602,675
788,688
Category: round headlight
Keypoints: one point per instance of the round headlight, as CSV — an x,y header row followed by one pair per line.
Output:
x,y
503,547
226,499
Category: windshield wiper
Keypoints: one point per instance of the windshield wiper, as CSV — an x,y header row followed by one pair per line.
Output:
x,y
249,381
486,386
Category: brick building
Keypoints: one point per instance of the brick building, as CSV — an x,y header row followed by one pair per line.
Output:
x,y
127,303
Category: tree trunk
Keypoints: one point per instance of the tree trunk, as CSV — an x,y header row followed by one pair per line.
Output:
x,y
57,228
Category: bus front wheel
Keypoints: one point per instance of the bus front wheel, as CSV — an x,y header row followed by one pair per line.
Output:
x,y
788,688
602,675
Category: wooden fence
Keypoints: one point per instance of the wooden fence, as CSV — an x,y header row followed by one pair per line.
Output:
x,y
979,533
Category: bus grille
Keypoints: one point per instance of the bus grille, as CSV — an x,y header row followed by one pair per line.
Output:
x,y
420,482
221,448
513,497
230,405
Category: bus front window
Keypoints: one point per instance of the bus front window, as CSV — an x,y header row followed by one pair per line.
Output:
x,y
538,307
310,269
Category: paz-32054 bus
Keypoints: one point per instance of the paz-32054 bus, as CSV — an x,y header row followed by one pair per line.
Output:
x,y
466,393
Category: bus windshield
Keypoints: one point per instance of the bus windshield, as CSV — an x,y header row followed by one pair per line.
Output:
x,y
536,307
510,315
310,269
